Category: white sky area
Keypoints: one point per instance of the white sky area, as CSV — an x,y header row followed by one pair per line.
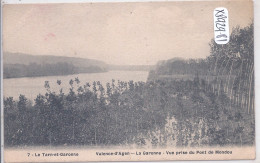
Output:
x,y
117,33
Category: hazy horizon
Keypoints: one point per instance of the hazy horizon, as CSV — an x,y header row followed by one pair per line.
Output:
x,y
134,33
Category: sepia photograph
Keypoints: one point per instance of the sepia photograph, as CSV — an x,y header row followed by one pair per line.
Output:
x,y
128,81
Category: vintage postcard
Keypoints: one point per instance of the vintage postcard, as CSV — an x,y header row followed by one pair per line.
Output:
x,y
128,81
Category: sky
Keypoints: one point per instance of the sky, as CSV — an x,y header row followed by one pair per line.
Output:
x,y
117,33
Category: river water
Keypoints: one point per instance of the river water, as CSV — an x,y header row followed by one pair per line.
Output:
x,y
32,86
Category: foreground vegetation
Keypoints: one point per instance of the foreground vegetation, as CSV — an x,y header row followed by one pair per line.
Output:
x,y
128,113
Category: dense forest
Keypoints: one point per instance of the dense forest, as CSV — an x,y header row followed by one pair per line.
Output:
x,y
179,66
184,103
34,70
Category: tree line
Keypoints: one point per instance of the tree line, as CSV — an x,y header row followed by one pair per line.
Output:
x,y
230,66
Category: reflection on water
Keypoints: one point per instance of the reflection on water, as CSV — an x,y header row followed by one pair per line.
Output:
x,y
32,86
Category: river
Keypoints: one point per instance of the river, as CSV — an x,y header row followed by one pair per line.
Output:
x,y
32,86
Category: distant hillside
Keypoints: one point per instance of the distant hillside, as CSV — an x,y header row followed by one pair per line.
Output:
x,y
26,59
24,65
